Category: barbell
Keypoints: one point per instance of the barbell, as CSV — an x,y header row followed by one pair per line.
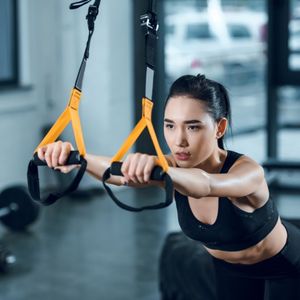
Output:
x,y
17,209
6,259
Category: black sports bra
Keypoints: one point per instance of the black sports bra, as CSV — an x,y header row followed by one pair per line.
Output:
x,y
234,229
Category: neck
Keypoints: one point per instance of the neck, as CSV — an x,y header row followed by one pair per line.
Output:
x,y
214,162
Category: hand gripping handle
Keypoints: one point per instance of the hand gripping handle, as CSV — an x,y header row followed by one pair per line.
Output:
x,y
156,174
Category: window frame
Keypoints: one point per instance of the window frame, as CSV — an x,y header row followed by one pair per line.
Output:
x,y
14,80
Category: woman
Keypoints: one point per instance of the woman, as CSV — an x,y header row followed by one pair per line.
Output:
x,y
222,197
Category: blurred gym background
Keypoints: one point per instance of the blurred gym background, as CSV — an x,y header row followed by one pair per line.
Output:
x,y
85,246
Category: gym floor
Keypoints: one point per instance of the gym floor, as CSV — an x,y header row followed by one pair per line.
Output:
x,y
88,248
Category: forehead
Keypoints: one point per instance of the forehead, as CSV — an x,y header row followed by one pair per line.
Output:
x,y
183,107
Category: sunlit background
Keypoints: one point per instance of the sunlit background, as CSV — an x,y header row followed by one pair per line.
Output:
x,y
85,246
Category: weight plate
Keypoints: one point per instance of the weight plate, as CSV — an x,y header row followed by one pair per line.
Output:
x,y
23,210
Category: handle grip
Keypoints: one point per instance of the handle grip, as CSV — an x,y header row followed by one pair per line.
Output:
x,y
34,182
73,159
156,174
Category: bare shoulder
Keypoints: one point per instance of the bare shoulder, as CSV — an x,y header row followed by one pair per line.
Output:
x,y
248,165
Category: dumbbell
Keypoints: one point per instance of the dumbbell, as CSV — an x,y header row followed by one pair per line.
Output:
x,y
17,209
6,260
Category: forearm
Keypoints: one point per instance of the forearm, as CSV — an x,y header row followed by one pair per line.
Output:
x,y
97,165
190,182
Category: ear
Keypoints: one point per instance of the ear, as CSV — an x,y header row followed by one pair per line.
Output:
x,y
221,127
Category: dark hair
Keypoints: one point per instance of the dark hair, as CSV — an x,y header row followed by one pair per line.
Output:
x,y
211,92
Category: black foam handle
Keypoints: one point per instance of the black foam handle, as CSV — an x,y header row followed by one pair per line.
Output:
x,y
156,174
73,159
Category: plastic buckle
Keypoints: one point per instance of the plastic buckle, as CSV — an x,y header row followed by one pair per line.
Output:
x,y
91,16
149,23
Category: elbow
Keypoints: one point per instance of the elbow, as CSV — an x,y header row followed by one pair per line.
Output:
x,y
204,191
201,190
198,195
196,192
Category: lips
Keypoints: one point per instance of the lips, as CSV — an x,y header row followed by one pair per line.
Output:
x,y
182,155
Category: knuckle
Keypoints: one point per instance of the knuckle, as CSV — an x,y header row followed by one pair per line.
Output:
x,y
130,174
66,145
147,172
139,173
54,155
138,155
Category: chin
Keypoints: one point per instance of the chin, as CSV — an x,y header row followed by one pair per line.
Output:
x,y
185,164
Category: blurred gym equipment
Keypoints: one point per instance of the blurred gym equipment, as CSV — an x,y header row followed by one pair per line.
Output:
x,y
17,210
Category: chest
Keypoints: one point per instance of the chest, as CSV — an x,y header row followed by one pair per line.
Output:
x,y
206,209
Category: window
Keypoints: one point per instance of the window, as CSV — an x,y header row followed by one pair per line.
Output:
x,y
198,31
8,43
238,31
227,49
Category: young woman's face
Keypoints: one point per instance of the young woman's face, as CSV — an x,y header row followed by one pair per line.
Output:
x,y
189,130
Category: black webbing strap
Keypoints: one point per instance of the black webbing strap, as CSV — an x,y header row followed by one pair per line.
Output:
x,y
150,26
156,174
91,17
78,4
152,5
32,170
34,184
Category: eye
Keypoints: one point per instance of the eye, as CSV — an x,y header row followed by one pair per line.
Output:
x,y
169,126
193,128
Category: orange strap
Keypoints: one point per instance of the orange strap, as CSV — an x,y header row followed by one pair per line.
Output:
x,y
144,122
70,114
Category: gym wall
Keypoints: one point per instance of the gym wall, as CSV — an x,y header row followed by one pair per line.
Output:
x,y
51,44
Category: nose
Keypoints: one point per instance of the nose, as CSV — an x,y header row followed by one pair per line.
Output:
x,y
180,139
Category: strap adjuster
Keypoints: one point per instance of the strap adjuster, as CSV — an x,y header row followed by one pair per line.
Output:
x,y
149,22
91,16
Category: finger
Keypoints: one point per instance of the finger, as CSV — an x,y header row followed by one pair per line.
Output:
x,y
125,167
140,169
48,155
148,169
124,181
132,169
65,169
56,153
64,154
41,153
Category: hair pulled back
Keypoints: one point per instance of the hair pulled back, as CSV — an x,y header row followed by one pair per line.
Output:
x,y
209,91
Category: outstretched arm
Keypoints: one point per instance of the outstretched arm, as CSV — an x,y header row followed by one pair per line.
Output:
x,y
136,167
243,179
56,154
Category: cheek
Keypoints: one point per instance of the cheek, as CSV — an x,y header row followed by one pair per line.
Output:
x,y
202,140
168,137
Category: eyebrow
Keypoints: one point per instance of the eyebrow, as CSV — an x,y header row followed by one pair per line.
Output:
x,y
185,122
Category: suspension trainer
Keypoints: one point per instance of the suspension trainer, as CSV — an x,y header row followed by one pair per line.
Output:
x,y
70,114
149,24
